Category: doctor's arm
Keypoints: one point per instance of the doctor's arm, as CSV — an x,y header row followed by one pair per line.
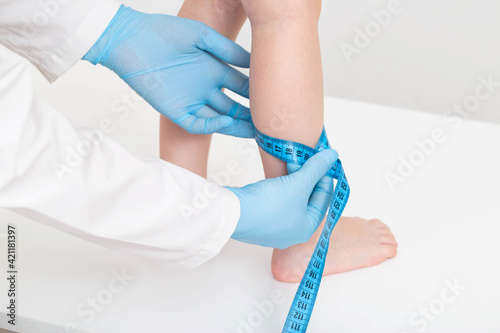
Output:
x,y
82,182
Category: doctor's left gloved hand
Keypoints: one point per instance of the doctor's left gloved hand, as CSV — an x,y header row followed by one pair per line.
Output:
x,y
179,66
284,211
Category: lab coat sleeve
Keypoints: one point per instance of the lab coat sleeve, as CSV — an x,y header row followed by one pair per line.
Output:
x,y
53,34
84,183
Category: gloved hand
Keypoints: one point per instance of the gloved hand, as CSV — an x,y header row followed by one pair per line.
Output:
x,y
284,211
179,66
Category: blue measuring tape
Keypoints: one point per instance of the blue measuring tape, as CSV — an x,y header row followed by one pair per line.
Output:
x,y
296,153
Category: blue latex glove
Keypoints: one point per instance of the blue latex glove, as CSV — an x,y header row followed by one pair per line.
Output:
x,y
284,211
179,67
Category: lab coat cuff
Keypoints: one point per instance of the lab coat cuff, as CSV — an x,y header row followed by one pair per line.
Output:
x,y
81,40
230,215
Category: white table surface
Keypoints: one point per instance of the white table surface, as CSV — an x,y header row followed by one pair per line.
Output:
x,y
445,217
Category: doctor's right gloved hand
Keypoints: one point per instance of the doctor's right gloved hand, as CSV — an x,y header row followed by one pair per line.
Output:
x,y
179,66
284,211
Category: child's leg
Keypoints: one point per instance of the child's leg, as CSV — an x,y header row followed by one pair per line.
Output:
x,y
177,146
286,98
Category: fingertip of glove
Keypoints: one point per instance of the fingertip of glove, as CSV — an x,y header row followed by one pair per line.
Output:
x,y
330,156
245,62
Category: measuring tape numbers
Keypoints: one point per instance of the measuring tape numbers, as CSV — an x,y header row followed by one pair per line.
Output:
x,y
296,153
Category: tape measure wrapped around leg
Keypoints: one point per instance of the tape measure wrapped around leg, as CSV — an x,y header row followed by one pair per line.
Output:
x,y
294,153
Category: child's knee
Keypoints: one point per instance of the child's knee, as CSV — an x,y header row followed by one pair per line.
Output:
x,y
264,11
228,5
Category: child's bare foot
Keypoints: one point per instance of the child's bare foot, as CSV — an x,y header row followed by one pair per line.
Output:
x,y
355,243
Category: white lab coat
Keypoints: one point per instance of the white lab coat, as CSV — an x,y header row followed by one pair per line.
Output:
x,y
136,204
